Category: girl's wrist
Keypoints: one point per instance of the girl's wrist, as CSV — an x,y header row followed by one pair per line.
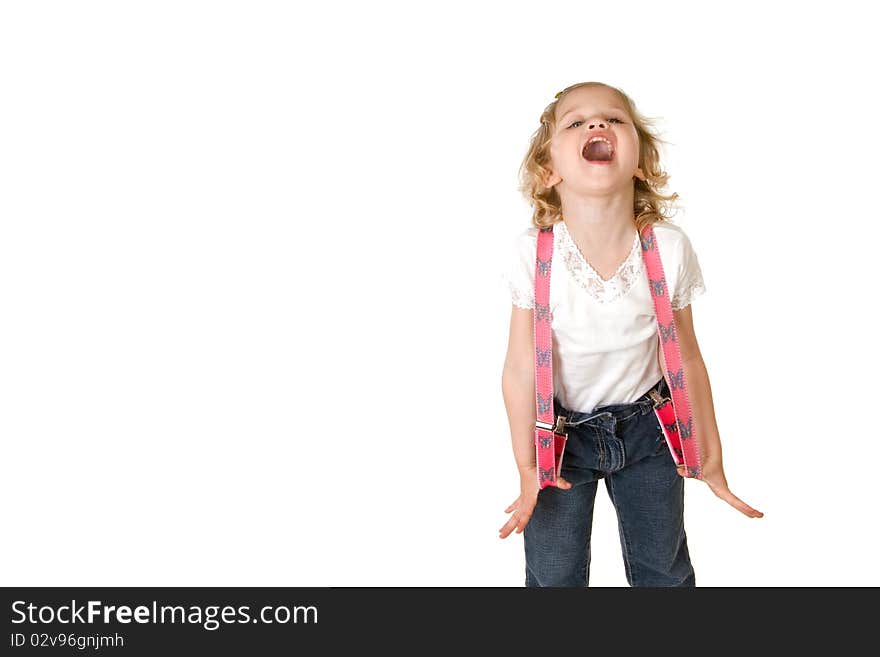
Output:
x,y
527,468
712,463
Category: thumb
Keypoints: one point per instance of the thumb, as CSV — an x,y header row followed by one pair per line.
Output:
x,y
562,483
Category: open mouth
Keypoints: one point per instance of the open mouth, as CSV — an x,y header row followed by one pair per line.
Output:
x,y
598,149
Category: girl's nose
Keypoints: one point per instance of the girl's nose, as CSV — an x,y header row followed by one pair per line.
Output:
x,y
597,124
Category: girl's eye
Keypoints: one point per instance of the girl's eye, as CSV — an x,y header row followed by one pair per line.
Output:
x,y
610,118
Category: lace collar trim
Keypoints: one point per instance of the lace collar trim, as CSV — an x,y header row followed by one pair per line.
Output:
x,y
589,279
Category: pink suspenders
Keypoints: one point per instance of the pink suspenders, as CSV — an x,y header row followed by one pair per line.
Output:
x,y
550,433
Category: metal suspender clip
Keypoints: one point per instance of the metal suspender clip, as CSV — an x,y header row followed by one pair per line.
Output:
x,y
558,428
659,399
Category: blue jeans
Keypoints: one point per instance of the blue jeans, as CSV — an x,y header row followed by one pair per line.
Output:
x,y
624,445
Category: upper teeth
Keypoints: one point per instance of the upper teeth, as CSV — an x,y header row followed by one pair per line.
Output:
x,y
598,139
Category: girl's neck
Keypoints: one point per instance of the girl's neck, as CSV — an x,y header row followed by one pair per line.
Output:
x,y
601,232
602,222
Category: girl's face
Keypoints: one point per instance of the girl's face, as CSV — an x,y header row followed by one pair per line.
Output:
x,y
583,114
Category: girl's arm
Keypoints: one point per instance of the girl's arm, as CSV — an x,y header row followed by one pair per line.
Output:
x,y
703,411
698,386
518,387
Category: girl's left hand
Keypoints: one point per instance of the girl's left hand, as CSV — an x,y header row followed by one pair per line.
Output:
x,y
713,475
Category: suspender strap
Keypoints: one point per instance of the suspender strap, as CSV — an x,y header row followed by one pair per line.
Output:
x,y
677,425
550,437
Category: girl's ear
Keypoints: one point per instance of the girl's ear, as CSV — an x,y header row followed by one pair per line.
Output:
x,y
551,179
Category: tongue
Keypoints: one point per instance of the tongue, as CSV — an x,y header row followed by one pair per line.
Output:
x,y
598,150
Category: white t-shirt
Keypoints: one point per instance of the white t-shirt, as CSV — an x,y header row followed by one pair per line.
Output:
x,y
605,340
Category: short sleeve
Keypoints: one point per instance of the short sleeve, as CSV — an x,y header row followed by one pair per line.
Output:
x,y
689,281
520,269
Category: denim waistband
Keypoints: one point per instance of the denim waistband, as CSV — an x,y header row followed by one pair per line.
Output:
x,y
643,404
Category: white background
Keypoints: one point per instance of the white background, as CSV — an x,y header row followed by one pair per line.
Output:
x,y
253,321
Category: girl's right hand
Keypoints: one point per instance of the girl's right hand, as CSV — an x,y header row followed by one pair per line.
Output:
x,y
523,506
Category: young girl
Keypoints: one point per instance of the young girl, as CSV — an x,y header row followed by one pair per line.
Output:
x,y
598,195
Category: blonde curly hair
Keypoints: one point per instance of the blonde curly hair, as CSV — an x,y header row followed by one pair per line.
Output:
x,y
648,203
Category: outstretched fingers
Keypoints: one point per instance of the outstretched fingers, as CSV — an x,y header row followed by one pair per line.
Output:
x,y
738,504
721,490
517,521
510,525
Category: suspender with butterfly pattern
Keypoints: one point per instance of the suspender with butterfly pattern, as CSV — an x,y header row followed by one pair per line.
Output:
x,y
550,437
